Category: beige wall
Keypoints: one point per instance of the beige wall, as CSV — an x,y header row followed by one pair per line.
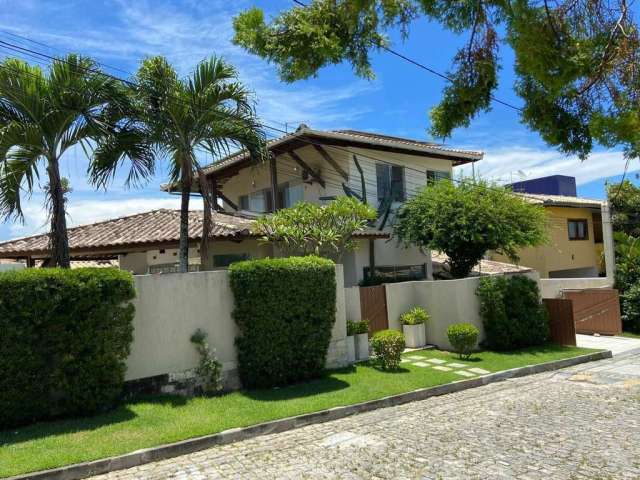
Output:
x,y
560,253
446,301
552,287
169,308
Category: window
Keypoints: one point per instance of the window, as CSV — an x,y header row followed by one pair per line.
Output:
x,y
228,259
259,202
390,182
578,229
434,176
597,228
289,195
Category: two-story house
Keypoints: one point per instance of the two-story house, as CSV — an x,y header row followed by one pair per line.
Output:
x,y
307,165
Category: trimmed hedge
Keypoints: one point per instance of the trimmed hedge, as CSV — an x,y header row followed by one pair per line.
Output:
x,y
512,312
285,309
388,346
463,337
65,335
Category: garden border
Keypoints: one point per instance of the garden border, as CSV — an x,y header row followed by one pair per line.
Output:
x,y
96,467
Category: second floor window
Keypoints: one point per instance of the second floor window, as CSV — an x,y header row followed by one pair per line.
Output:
x,y
578,229
390,182
259,202
434,175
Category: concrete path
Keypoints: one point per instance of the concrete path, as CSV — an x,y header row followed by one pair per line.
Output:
x,y
577,423
617,345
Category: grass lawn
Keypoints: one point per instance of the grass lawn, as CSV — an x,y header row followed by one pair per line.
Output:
x,y
163,419
631,335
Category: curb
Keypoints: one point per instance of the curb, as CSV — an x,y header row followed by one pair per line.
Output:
x,y
87,469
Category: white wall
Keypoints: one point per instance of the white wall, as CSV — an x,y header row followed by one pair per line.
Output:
x,y
446,301
169,308
552,287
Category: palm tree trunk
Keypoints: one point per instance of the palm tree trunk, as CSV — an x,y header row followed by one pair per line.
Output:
x,y
186,181
58,239
207,200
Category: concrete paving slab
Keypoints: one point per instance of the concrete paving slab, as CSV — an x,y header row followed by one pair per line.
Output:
x,y
617,345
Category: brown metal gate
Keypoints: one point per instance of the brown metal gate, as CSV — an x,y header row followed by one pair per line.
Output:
x,y
562,327
373,307
596,310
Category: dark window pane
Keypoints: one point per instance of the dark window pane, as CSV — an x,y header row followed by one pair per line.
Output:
x,y
397,184
383,181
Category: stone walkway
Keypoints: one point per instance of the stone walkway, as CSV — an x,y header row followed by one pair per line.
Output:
x,y
578,423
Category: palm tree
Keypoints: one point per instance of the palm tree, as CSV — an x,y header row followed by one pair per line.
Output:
x,y
210,111
42,115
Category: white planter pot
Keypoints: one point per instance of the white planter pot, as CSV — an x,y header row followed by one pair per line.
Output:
x,y
362,346
351,349
414,335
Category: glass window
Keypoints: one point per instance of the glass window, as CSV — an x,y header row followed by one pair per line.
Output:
x,y
436,175
290,194
390,182
259,202
578,229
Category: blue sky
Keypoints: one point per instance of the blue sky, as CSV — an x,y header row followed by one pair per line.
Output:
x,y
120,33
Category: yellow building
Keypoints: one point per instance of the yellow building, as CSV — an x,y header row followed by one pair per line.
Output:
x,y
576,239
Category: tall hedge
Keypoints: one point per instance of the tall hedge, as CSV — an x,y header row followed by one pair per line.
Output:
x,y
512,312
285,309
64,337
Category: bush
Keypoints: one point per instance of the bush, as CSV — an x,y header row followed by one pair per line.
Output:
x,y
355,328
285,309
65,337
415,316
388,346
209,370
631,309
463,338
512,313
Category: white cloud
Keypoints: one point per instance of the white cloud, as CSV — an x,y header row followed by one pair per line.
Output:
x,y
516,163
89,211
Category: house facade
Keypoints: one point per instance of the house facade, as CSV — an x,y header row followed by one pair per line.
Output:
x,y
307,165
580,238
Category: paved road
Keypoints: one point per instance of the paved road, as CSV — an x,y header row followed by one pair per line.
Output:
x,y
578,423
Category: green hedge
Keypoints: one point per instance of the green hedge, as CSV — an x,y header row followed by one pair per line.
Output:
x,y
512,312
285,309
64,337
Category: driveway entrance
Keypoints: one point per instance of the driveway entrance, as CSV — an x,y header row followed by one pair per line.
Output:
x,y
617,345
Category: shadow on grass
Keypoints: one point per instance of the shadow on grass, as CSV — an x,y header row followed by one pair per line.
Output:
x,y
324,384
62,426
535,350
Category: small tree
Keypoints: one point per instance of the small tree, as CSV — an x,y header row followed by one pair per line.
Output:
x,y
310,229
466,221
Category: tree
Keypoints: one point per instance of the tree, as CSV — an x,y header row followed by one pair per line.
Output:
x,y
468,220
42,115
575,60
310,229
624,199
171,119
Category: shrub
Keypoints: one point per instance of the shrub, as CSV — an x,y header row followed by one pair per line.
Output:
x,y
285,309
388,346
512,313
209,370
415,316
65,337
631,309
463,338
355,328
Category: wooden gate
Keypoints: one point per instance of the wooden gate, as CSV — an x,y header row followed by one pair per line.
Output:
x,y
562,327
373,307
596,310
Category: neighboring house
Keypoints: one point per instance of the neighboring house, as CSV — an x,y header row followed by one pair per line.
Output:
x,y
310,165
579,231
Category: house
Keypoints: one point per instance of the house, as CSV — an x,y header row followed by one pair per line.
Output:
x,y
580,242
311,165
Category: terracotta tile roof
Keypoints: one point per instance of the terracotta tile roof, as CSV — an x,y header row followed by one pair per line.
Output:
x,y
357,137
561,200
485,267
154,227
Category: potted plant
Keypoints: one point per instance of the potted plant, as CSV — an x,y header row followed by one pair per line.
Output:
x,y
413,327
361,333
351,340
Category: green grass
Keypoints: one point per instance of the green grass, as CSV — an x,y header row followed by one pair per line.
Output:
x,y
631,335
163,419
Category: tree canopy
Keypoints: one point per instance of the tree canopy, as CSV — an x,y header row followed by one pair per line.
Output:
x,y
467,220
310,229
576,61
624,199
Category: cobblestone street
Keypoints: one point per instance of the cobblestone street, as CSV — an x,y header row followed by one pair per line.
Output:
x,y
582,422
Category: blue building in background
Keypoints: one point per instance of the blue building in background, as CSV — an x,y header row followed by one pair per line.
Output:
x,y
552,185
